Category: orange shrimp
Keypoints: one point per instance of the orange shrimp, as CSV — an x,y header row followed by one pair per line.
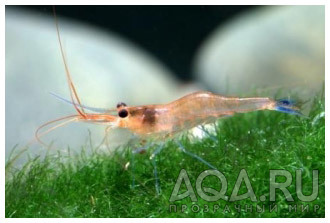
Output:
x,y
162,121
158,121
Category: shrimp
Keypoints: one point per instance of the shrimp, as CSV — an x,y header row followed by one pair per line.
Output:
x,y
162,121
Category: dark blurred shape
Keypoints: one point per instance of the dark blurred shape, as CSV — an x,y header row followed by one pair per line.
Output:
x,y
171,33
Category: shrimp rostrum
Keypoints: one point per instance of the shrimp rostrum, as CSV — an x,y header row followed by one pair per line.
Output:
x,y
164,120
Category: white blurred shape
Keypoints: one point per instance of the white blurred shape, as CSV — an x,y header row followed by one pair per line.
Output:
x,y
271,48
106,69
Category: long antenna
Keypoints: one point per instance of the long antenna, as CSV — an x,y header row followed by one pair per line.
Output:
x,y
37,135
73,92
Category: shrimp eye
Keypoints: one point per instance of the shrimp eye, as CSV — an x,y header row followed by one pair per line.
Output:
x,y
123,113
120,104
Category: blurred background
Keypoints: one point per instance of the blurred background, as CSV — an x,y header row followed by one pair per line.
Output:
x,y
171,34
153,54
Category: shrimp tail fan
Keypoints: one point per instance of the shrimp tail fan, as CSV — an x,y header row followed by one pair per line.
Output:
x,y
287,106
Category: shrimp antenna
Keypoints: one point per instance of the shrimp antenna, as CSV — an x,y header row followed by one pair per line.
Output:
x,y
73,92
99,110
37,135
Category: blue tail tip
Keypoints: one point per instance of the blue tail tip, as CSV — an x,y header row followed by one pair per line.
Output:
x,y
287,106
286,102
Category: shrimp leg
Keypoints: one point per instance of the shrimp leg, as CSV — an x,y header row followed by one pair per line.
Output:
x,y
105,138
154,163
107,129
134,151
181,147
133,169
214,139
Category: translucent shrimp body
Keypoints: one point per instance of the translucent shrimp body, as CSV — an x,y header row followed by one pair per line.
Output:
x,y
189,111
